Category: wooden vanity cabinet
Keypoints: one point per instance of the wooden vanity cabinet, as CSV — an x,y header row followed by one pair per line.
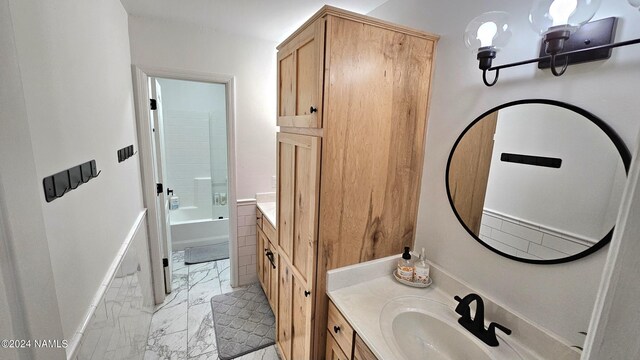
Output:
x,y
342,340
267,259
349,171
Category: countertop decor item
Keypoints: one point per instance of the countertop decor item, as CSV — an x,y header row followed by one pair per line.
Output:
x,y
412,283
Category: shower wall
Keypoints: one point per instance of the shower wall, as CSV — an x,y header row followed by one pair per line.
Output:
x,y
194,117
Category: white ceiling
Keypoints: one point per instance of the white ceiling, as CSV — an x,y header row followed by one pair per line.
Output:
x,y
271,20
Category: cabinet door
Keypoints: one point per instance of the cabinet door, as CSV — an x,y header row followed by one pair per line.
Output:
x,y
298,184
260,257
361,350
334,352
271,276
295,313
300,73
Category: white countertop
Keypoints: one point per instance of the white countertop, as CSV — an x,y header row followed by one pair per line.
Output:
x,y
362,304
361,291
268,208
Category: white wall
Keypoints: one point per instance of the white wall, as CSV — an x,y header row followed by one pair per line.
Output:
x,y
32,304
557,297
613,332
10,310
195,141
571,199
75,69
173,45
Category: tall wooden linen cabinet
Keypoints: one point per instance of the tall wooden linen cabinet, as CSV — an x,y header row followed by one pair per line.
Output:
x,y
353,95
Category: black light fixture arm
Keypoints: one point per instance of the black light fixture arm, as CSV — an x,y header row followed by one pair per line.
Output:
x,y
553,58
495,79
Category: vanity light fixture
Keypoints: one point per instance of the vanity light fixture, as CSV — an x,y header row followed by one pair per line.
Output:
x,y
485,35
560,23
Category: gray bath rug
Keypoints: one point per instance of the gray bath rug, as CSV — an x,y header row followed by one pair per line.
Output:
x,y
243,322
201,254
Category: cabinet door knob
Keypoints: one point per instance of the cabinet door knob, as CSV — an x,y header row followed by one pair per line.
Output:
x,y
307,293
313,109
336,329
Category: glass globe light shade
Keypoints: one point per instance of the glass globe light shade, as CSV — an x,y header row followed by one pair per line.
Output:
x,y
562,14
634,3
490,30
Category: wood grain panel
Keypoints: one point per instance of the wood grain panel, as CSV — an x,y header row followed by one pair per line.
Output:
x,y
300,331
284,310
269,231
307,50
304,229
469,171
260,258
298,206
344,335
259,218
307,78
272,276
298,191
336,12
286,86
376,101
285,194
361,351
333,350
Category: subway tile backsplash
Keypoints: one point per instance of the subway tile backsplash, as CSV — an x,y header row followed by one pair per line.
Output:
x,y
527,240
247,242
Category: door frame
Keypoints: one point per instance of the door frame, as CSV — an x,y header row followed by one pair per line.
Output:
x,y
141,75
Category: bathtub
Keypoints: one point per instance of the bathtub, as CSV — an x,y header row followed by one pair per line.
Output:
x,y
189,227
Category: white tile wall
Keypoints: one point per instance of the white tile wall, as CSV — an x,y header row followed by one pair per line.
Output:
x,y
247,242
526,240
187,152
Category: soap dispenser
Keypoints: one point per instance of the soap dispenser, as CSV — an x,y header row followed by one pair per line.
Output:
x,y
421,274
405,266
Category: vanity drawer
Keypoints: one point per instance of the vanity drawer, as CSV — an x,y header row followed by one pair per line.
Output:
x,y
259,218
334,352
361,350
340,329
269,230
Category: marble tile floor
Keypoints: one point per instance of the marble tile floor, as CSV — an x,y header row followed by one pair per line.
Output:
x,y
182,326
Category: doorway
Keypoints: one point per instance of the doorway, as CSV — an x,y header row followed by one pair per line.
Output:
x,y
187,144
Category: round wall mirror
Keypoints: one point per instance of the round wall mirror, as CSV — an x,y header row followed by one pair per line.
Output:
x,y
538,181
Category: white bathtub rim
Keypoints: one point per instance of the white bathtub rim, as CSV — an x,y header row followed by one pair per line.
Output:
x,y
214,240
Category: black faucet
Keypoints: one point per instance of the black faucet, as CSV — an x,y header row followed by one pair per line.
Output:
x,y
476,325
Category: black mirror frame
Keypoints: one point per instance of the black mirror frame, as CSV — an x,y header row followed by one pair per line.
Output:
x,y
619,144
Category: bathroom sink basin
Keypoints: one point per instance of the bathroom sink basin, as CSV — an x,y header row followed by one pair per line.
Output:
x,y
418,328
